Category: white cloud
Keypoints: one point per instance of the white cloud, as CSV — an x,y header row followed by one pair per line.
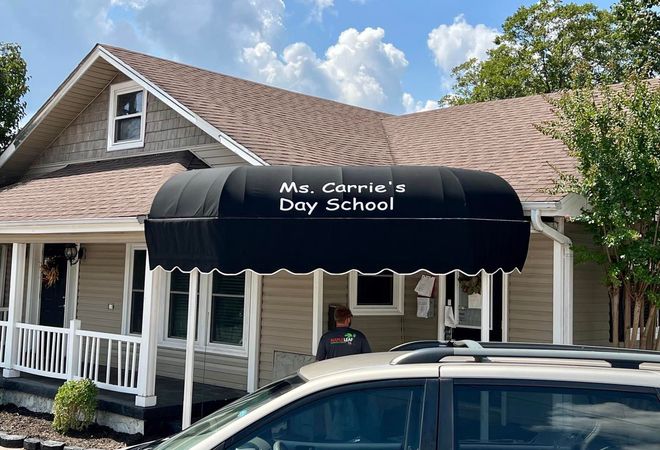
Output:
x,y
410,105
360,69
201,32
318,7
454,44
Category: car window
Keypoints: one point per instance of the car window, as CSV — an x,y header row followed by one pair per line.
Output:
x,y
378,418
530,417
221,418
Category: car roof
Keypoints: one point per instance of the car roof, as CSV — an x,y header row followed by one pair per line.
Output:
x,y
560,365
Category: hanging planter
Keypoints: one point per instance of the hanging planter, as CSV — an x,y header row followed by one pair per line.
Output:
x,y
470,285
50,271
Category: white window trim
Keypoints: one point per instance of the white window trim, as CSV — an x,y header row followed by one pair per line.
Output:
x,y
3,269
456,294
118,89
128,287
398,284
203,343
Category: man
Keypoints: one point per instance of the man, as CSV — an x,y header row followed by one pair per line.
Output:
x,y
343,340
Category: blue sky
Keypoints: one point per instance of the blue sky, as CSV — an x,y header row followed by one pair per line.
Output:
x,y
390,55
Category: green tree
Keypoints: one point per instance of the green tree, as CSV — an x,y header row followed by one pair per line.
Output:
x,y
552,46
13,86
614,136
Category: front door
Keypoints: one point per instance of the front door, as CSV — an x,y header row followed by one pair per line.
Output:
x,y
468,309
53,286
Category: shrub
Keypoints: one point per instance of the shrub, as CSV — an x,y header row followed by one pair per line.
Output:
x,y
74,406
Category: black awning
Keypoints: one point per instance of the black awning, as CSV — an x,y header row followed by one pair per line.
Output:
x,y
370,219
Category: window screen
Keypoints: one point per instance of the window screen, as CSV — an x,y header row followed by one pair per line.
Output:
x,y
227,309
375,290
137,290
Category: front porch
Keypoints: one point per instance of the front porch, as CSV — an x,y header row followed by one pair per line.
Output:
x,y
117,409
40,335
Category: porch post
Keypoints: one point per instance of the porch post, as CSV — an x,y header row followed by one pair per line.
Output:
x,y
189,372
149,345
16,296
505,307
486,294
317,309
442,296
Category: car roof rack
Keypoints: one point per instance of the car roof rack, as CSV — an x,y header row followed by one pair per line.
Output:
x,y
434,351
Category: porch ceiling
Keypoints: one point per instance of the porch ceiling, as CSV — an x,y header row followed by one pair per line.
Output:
x,y
111,189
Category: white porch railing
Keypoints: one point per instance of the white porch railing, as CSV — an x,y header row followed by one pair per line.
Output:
x,y
41,350
4,313
3,342
110,360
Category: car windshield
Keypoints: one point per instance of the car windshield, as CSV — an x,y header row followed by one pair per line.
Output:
x,y
219,419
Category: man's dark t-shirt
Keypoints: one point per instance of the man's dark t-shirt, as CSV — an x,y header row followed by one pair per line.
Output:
x,y
342,342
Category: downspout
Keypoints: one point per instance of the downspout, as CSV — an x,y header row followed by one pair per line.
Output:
x,y
562,280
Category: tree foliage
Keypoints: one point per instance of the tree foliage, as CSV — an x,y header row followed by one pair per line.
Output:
x,y
614,136
13,86
551,46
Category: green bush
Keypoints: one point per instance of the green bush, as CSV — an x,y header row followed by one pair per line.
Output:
x,y
74,406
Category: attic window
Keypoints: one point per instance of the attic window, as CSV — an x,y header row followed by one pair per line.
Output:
x,y
128,103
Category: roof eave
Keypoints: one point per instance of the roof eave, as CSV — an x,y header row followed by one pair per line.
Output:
x,y
571,205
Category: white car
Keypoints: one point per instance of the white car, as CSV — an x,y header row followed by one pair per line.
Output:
x,y
460,395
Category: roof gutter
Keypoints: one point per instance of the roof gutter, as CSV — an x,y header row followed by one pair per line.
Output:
x,y
562,278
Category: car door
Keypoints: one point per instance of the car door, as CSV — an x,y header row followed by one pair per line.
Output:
x,y
524,414
383,415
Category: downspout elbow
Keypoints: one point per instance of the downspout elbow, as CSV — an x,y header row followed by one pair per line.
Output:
x,y
538,225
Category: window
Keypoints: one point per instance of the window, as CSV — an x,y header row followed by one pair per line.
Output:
x,y
227,309
380,294
589,417
177,325
128,102
223,312
136,264
468,295
368,418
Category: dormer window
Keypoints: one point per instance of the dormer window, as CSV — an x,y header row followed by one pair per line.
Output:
x,y
128,103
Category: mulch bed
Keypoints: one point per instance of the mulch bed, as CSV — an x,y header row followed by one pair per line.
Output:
x,y
14,420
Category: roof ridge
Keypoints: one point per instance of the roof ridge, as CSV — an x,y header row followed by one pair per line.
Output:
x,y
244,80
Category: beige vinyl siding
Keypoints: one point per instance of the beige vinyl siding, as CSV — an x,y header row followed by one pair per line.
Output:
x,y
335,292
286,319
210,368
383,332
530,294
101,282
590,299
415,328
86,138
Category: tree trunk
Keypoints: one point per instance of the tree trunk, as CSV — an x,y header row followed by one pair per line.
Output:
x,y
627,313
649,329
614,314
634,340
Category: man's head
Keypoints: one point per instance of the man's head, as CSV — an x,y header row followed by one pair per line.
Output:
x,y
343,316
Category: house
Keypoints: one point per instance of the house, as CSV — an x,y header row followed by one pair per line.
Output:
x,y
79,180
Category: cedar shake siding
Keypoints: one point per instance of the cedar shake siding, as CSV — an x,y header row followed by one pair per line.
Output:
x,y
530,294
86,138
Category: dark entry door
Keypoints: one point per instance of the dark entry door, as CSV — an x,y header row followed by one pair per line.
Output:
x,y
51,308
